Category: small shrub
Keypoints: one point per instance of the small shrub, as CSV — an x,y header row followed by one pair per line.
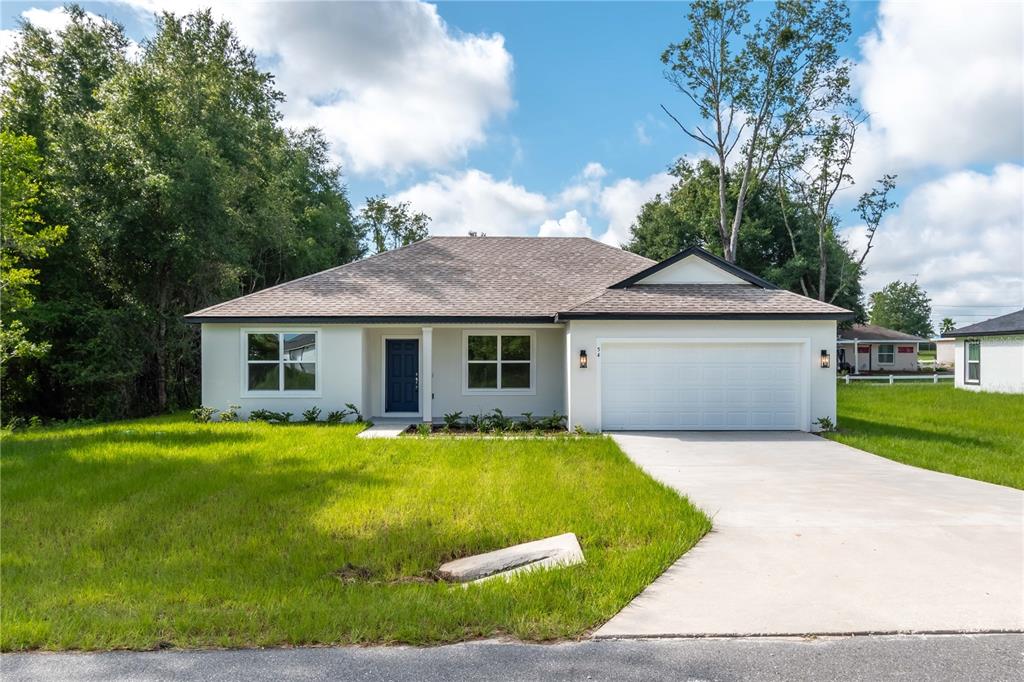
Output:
x,y
451,421
261,416
497,421
478,422
335,417
825,425
203,414
230,414
352,409
312,415
423,429
283,417
579,430
553,423
528,423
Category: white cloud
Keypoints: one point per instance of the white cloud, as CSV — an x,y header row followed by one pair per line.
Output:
x,y
52,20
474,200
962,236
391,85
620,203
641,134
942,82
572,224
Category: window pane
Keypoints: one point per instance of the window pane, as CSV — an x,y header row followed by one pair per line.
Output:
x,y
263,376
263,347
515,375
300,376
515,348
973,371
483,347
974,351
300,347
483,375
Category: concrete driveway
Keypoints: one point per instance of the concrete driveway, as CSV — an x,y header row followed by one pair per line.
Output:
x,y
815,537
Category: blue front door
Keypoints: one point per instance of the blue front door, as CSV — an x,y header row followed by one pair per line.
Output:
x,y
402,375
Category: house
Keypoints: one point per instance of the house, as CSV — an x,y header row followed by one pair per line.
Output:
x,y
990,354
945,352
877,349
527,324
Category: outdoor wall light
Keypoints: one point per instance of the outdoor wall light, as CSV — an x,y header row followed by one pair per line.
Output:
x,y
825,360
583,359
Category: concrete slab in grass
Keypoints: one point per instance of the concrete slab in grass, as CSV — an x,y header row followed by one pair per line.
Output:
x,y
560,550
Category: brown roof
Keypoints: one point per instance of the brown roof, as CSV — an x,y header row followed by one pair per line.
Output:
x,y
498,278
701,300
493,277
872,332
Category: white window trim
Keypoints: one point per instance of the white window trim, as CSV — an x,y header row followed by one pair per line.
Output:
x,y
466,390
893,354
281,392
968,362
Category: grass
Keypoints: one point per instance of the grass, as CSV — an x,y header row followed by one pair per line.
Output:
x,y
966,433
160,532
926,355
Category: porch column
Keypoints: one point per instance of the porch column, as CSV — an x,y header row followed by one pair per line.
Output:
x,y
856,356
426,373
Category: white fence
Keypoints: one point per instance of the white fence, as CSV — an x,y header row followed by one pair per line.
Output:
x,y
893,378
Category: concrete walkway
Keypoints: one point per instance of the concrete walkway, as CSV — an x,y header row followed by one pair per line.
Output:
x,y
811,536
386,428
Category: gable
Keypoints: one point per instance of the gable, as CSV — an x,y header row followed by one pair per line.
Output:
x,y
691,270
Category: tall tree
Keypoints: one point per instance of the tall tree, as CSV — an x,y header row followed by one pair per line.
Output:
x,y
24,240
389,226
779,238
903,306
757,87
180,188
947,325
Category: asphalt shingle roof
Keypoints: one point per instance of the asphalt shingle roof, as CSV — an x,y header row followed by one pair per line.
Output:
x,y
1004,324
499,278
701,299
872,332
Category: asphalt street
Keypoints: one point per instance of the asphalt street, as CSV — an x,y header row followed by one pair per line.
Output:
x,y
990,657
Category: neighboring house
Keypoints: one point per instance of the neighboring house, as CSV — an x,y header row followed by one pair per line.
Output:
x,y
870,348
945,352
990,354
526,324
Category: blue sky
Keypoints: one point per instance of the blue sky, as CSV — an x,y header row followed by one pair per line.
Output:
x,y
527,118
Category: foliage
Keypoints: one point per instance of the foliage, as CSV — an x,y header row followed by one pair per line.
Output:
x,y
335,417
311,415
423,429
213,539
942,428
497,421
230,414
903,306
779,237
271,416
529,423
947,325
24,240
353,410
764,83
553,423
203,414
389,226
825,424
452,420
180,189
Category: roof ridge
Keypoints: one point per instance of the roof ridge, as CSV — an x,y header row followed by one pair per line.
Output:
x,y
305,277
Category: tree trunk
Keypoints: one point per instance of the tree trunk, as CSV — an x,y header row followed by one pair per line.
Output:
x,y
822,263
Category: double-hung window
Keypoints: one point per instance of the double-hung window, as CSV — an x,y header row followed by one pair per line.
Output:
x,y
886,354
972,356
280,362
499,362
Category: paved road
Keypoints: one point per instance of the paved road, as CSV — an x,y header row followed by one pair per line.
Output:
x,y
992,658
812,536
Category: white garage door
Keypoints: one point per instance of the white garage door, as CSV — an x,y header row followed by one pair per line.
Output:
x,y
670,386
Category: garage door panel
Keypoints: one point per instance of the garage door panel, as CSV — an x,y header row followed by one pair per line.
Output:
x,y
701,386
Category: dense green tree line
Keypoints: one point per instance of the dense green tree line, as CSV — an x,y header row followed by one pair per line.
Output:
x,y
178,187
778,237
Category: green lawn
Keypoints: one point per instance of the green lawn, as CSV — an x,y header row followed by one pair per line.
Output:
x,y
977,435
161,532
